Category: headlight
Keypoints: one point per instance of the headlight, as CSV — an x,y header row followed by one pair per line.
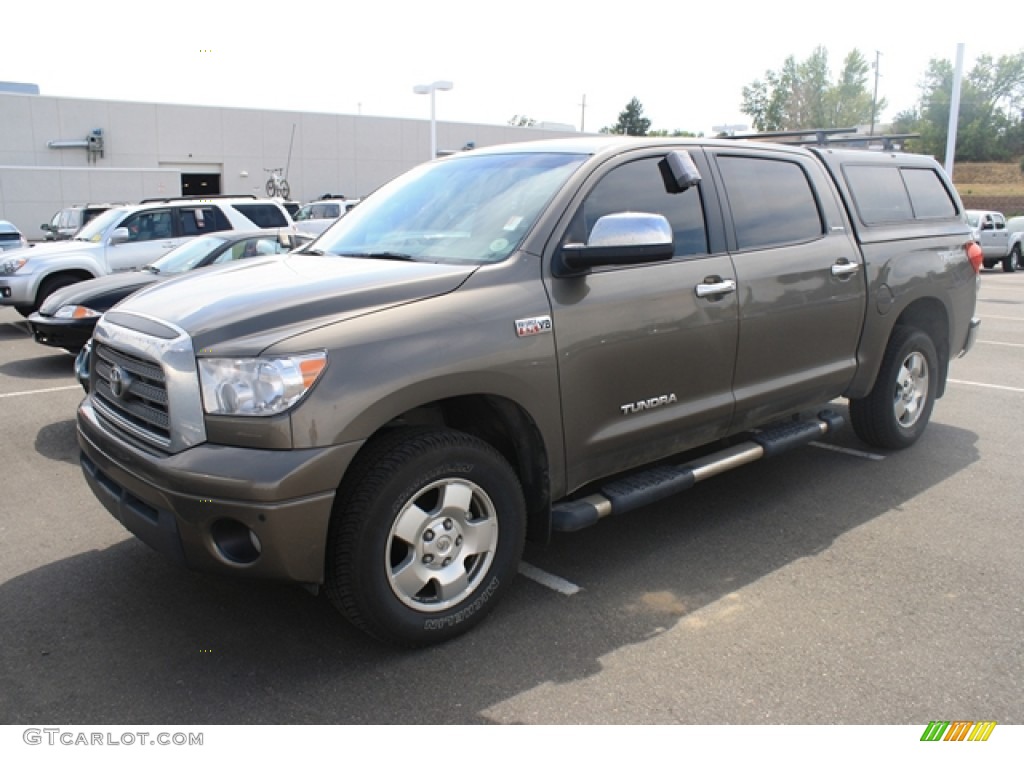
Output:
x,y
257,386
11,266
76,312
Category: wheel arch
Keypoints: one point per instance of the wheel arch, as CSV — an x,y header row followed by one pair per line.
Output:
x,y
77,274
509,429
928,314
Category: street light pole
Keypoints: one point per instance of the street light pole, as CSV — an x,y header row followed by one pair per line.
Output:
x,y
437,85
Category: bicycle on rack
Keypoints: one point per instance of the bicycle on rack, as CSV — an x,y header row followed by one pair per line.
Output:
x,y
277,184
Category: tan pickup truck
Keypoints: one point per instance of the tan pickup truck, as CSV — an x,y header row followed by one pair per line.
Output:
x,y
472,352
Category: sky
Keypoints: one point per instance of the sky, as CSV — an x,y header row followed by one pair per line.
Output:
x,y
574,63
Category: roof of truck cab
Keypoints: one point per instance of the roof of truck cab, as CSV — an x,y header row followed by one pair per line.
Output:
x,y
593,145
596,145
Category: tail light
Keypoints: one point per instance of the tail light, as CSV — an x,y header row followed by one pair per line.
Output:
x,y
975,256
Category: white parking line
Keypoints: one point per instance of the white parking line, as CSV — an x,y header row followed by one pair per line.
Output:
x,y
1000,317
39,391
1000,343
548,580
848,451
986,386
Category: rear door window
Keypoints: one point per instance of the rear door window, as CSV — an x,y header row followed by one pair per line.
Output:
x,y
200,220
771,201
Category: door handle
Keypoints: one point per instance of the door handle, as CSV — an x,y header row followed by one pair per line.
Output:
x,y
845,268
715,289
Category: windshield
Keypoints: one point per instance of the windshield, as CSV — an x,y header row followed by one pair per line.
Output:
x,y
188,255
93,231
471,209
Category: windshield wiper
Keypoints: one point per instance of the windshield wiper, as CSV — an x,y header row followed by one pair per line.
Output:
x,y
151,268
391,255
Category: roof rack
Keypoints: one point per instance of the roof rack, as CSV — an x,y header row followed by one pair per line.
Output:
x,y
193,198
824,137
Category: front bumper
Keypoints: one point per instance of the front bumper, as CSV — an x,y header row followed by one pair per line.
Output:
x,y
17,290
218,508
68,333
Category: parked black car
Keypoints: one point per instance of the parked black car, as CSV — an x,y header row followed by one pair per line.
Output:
x,y
67,317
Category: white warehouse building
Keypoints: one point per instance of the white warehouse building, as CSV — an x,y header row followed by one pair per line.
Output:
x,y
58,151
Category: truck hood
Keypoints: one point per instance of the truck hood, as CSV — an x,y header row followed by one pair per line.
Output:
x,y
59,249
255,303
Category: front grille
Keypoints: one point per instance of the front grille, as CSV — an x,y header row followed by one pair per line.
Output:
x,y
130,393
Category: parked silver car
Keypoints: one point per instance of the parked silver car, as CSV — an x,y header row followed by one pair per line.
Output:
x,y
11,237
67,221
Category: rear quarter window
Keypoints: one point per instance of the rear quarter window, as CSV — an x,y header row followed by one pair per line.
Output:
x,y
890,194
262,215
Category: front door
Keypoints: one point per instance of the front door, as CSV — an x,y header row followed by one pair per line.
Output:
x,y
151,234
645,363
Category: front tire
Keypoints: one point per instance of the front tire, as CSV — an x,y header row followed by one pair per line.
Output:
x,y
271,188
425,537
49,285
286,189
896,411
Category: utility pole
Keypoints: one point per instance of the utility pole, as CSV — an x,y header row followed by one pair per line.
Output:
x,y
583,114
954,110
874,98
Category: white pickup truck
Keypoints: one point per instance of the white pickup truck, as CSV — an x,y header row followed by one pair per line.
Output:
x,y
1000,242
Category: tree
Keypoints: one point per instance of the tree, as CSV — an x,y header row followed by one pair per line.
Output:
x,y
631,121
800,95
848,101
522,121
989,122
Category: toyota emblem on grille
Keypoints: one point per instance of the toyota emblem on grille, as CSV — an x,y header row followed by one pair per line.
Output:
x,y
120,381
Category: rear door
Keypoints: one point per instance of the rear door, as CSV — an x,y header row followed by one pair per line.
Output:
x,y
645,358
800,277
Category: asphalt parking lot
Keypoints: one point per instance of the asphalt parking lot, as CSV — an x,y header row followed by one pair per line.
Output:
x,y
833,584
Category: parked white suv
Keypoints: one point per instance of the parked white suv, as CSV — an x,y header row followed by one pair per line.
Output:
x,y
124,238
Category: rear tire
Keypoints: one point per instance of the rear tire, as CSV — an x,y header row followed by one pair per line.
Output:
x,y
1010,262
896,411
425,536
1017,257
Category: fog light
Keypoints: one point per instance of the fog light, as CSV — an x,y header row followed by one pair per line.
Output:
x,y
236,542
